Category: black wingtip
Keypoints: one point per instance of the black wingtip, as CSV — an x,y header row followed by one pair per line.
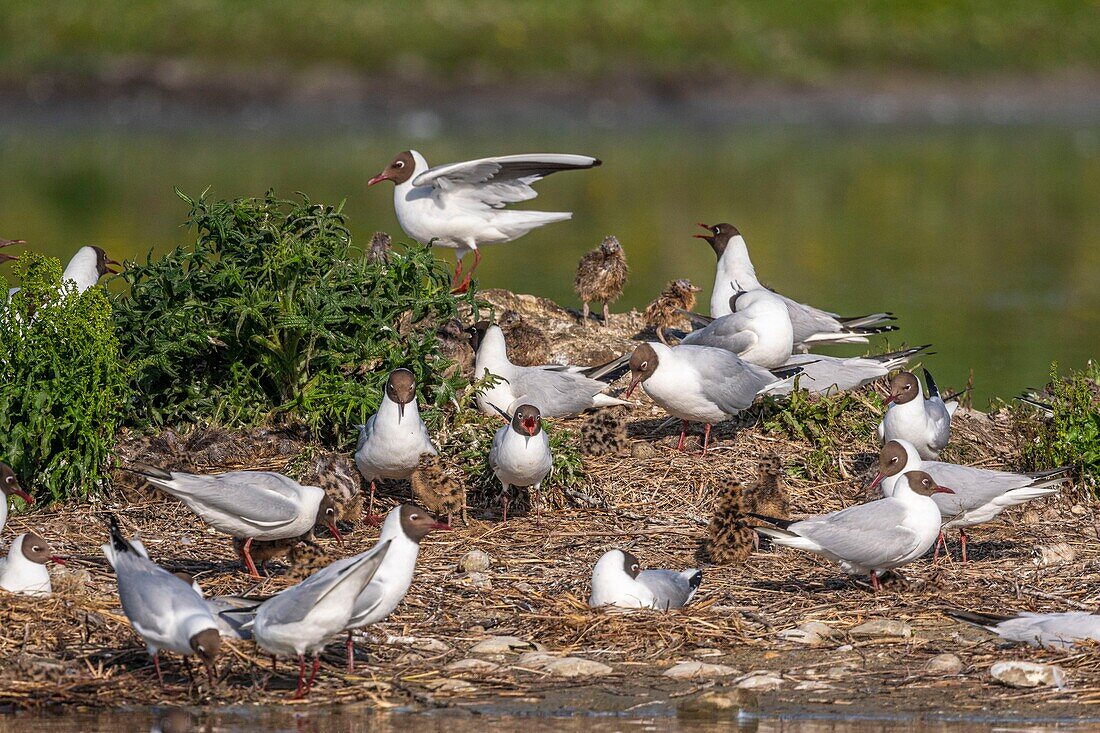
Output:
x,y
596,162
118,540
781,523
933,390
148,471
787,372
984,620
501,412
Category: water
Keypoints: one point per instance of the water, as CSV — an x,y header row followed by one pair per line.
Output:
x,y
983,240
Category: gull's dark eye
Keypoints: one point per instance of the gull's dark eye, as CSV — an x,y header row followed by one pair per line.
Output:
x,y
414,516
645,365
399,164
894,460
634,567
10,479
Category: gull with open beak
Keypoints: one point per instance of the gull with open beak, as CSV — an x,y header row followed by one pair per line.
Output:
x,y
248,505
393,439
869,539
520,455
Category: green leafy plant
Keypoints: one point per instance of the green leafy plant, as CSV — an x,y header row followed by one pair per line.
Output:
x,y
272,314
826,422
63,384
1071,435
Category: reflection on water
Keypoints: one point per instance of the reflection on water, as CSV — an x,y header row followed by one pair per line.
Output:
x,y
983,241
357,720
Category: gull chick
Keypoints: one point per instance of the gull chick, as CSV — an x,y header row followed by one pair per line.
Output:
x,y
436,489
664,312
618,580
461,205
766,494
730,537
869,539
601,276
527,345
520,455
926,423
393,439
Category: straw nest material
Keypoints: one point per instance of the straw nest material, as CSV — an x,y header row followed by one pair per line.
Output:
x,y
76,647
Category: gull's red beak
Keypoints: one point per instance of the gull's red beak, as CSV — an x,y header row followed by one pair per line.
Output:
x,y
18,491
630,390
57,559
889,399
530,425
335,532
383,176
878,480
442,525
703,236
942,490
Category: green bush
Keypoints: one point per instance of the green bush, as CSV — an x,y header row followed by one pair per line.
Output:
x,y
63,385
272,314
1072,434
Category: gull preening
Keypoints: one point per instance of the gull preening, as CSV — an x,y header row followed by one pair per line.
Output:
x,y
554,389
869,539
618,580
248,505
699,383
812,326
926,423
979,494
461,205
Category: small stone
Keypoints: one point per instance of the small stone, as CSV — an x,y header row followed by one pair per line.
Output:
x,y
535,660
472,665
718,704
813,685
420,643
883,628
1028,674
577,667
448,684
695,670
505,645
1030,517
707,652
641,449
1058,553
1078,510
762,681
845,648
945,664
475,561
480,581
811,633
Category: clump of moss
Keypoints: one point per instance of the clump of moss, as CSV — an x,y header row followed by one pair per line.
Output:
x,y
63,385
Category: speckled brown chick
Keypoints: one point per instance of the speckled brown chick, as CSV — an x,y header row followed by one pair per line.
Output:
x,y
527,346
601,275
438,490
454,345
604,433
766,495
337,475
263,552
664,312
730,538
379,252
305,559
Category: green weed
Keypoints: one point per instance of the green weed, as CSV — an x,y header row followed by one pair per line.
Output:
x,y
1071,436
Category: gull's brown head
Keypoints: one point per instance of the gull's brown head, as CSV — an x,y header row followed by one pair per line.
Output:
x,y
399,170
718,236
643,362
904,387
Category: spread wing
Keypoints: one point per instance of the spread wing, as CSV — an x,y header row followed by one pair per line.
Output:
x,y
506,179
869,534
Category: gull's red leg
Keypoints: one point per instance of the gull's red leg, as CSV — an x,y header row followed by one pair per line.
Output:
x,y
683,435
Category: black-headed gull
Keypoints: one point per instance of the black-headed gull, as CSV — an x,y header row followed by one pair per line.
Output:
x,y
163,609
871,538
461,205
926,423
618,580
248,505
555,390
9,485
823,374
24,569
812,326
302,618
699,383
1058,630
393,439
404,527
979,494
758,329
520,455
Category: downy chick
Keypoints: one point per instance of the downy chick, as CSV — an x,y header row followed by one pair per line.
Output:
x,y
664,312
604,433
437,491
730,538
527,345
766,495
379,252
601,275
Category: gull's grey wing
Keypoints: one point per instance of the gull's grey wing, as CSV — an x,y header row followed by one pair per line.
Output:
x,y
808,321
1050,629
151,596
726,380
295,603
366,604
554,393
869,534
670,589
261,498
976,487
494,451
728,332
366,430
502,180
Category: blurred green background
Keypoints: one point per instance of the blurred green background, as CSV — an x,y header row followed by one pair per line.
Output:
x,y
982,234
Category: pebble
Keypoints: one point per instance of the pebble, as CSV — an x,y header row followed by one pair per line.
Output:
x,y
693,670
1078,510
762,681
1028,674
945,664
472,665
577,667
641,449
813,685
718,704
475,561
811,633
1058,553
448,684
420,643
1030,517
883,628
477,580
535,660
505,645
